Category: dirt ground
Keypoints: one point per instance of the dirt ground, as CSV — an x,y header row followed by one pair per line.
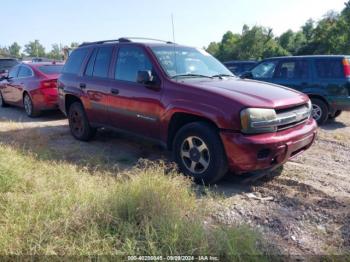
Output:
x,y
301,209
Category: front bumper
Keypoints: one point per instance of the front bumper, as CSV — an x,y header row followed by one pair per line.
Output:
x,y
247,153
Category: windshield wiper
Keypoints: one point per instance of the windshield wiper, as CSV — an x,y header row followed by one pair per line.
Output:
x,y
191,75
222,75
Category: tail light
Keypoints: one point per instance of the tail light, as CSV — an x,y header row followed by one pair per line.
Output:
x,y
48,84
346,64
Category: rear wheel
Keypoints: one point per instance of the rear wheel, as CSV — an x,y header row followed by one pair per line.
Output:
x,y
199,152
29,106
79,124
2,101
320,110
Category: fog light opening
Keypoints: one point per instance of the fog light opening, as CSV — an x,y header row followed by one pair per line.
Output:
x,y
263,154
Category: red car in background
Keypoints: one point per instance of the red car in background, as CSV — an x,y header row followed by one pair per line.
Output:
x,y
32,86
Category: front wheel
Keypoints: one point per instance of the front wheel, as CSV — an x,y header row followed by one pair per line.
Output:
x,y
79,123
199,152
320,111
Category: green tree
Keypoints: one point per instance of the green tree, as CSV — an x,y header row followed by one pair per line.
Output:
x,y
4,52
34,49
213,48
14,50
74,45
56,52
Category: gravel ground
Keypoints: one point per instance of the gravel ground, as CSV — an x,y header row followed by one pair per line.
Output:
x,y
301,209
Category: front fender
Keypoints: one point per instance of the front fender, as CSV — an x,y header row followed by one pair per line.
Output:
x,y
221,119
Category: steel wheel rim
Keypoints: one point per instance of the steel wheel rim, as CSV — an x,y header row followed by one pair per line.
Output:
x,y
27,105
77,123
316,112
195,155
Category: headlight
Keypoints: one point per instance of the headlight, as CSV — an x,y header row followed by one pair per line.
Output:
x,y
309,106
258,120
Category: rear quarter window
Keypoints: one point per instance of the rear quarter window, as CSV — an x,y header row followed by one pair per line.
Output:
x,y
75,61
329,68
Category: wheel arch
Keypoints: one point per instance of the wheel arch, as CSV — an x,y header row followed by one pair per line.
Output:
x,y
180,119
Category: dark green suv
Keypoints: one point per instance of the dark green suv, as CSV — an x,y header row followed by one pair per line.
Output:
x,y
326,79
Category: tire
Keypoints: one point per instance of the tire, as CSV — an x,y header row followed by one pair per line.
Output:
x,y
2,101
320,110
335,115
79,124
206,148
29,106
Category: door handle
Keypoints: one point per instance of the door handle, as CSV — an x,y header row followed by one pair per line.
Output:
x,y
82,85
115,91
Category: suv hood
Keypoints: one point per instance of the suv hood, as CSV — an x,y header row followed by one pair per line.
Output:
x,y
253,93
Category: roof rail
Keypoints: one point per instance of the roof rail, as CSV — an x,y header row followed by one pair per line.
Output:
x,y
145,38
124,40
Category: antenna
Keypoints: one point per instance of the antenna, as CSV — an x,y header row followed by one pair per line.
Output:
x,y
174,45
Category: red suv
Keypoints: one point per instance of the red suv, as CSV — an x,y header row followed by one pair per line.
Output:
x,y
185,99
32,86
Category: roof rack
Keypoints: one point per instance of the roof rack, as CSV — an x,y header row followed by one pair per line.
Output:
x,y
124,40
145,38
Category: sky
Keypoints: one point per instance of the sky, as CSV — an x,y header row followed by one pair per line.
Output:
x,y
197,23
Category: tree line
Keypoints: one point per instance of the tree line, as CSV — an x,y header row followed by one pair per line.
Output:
x,y
330,35
34,49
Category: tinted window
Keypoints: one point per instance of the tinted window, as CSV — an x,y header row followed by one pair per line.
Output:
x,y
329,68
51,69
6,64
102,61
264,70
130,61
14,72
298,69
24,71
90,66
75,61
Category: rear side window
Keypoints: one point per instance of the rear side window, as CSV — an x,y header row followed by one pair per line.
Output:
x,y
25,72
293,70
329,68
75,61
6,64
130,61
51,69
102,61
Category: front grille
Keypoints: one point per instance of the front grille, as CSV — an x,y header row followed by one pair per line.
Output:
x,y
292,116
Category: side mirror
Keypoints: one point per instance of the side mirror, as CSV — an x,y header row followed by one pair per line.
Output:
x,y
4,74
144,77
247,75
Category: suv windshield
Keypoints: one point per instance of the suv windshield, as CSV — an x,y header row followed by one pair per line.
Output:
x,y
6,64
189,62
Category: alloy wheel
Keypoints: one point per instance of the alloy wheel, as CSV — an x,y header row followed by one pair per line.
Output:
x,y
316,112
28,106
77,124
195,155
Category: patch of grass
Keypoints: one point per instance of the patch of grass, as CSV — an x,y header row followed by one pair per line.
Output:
x,y
49,207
